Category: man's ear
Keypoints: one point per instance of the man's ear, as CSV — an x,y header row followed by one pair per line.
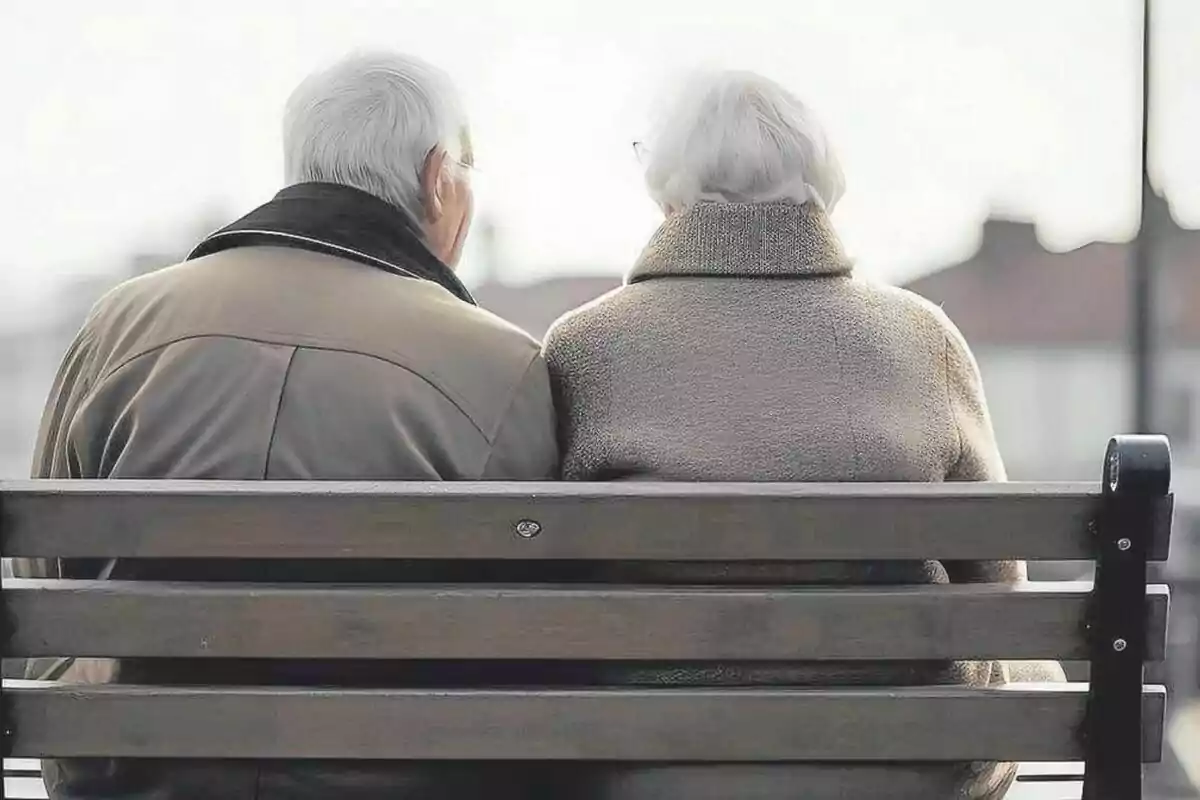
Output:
x,y
431,184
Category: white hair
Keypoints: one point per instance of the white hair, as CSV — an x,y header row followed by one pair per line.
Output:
x,y
739,137
370,121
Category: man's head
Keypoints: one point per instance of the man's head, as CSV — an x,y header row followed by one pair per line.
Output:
x,y
393,126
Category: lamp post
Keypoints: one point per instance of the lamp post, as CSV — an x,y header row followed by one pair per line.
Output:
x,y
1143,277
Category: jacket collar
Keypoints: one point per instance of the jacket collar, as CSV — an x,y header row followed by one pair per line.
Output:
x,y
339,221
748,240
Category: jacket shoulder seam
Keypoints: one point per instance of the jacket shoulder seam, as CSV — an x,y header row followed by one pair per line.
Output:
x,y
320,348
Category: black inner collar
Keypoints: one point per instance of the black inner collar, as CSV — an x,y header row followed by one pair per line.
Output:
x,y
340,221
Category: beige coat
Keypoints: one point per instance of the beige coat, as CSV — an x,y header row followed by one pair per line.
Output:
x,y
283,364
742,348
269,363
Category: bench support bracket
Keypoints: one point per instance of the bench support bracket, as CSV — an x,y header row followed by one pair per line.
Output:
x,y
1137,473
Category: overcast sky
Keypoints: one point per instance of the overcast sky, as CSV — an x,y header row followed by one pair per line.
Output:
x,y
128,123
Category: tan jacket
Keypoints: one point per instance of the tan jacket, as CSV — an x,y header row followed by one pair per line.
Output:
x,y
266,355
270,363
742,348
282,364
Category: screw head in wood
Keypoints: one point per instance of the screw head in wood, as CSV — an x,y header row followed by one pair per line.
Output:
x,y
528,528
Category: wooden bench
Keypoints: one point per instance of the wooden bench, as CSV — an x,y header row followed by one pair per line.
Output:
x,y
1112,724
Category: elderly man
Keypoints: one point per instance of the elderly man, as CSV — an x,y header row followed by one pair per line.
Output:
x,y
323,336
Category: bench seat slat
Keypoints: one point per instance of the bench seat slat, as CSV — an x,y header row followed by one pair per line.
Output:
x,y
24,788
184,620
578,521
1036,781
945,723
1054,790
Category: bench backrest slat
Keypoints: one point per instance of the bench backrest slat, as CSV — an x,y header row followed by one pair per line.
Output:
x,y
727,725
304,621
622,521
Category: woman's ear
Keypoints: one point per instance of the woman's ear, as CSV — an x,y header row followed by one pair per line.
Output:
x,y
431,184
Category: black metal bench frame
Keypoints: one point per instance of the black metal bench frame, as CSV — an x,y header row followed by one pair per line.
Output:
x,y
1137,470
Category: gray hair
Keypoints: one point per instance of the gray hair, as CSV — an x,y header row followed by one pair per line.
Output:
x,y
370,121
739,137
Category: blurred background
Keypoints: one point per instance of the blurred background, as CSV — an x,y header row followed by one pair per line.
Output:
x,y
992,153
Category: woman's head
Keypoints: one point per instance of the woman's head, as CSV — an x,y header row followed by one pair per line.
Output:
x,y
737,137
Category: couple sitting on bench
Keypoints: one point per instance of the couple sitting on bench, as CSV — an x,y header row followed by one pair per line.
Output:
x,y
325,336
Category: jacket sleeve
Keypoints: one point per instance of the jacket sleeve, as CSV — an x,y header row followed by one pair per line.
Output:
x,y
524,447
978,456
54,457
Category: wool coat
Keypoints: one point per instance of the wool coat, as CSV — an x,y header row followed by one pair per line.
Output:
x,y
743,347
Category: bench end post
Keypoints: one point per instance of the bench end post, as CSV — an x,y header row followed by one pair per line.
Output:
x,y
5,635
1137,473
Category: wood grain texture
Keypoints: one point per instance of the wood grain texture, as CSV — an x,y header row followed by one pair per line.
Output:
x,y
732,725
181,620
612,521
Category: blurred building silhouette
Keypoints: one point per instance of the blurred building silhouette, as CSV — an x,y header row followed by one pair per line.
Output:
x,y
1051,332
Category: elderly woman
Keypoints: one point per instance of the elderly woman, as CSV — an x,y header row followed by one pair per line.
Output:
x,y
743,348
